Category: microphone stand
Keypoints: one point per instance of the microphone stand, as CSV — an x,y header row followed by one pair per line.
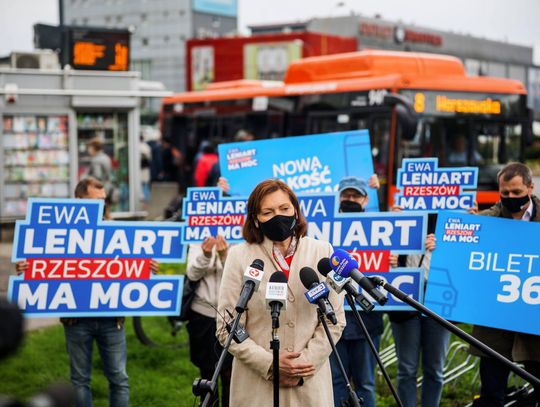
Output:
x,y
456,331
350,301
206,387
274,345
353,398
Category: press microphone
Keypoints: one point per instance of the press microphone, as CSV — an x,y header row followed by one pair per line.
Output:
x,y
339,284
252,279
276,296
344,265
317,292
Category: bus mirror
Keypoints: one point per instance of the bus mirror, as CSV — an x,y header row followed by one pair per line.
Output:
x,y
406,116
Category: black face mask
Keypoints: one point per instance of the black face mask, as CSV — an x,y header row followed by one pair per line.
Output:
x,y
514,205
350,206
279,228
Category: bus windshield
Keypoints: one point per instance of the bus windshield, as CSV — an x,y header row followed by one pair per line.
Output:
x,y
483,143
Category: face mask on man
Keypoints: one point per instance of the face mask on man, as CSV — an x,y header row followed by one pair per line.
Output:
x,y
515,205
279,228
350,206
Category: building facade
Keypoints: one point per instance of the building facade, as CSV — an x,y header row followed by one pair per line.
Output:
x,y
159,29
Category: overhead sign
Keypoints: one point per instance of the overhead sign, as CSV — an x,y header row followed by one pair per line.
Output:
x,y
80,265
308,164
99,49
423,185
481,276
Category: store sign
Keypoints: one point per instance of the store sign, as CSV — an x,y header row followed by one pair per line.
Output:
x,y
104,50
79,265
399,34
269,61
424,186
406,35
486,271
376,30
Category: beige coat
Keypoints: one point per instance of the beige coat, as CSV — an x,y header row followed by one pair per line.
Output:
x,y
300,330
208,270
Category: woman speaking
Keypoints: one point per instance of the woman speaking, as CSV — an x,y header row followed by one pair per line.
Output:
x,y
275,232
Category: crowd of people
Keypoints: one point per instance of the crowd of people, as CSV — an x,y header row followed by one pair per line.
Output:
x,y
275,232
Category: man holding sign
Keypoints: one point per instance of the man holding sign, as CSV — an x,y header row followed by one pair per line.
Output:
x,y
353,349
517,202
108,332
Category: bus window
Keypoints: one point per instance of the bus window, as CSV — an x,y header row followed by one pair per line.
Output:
x,y
380,140
268,124
328,122
498,143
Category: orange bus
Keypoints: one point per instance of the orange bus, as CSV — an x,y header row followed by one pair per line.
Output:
x,y
413,104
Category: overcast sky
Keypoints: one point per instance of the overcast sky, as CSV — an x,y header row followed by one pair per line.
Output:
x,y
514,21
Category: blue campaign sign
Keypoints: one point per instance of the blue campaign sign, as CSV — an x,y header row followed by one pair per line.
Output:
x,y
408,280
308,164
423,185
74,228
80,265
160,295
208,213
480,276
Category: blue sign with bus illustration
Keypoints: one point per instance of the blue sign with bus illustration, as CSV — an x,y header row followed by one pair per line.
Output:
x,y
308,164
481,276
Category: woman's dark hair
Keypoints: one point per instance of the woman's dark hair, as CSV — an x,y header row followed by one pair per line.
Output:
x,y
250,232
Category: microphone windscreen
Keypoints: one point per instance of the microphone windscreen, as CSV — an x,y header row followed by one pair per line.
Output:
x,y
278,277
324,266
343,263
308,277
258,264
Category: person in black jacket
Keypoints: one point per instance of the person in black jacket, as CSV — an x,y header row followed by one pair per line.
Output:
x,y
517,202
353,348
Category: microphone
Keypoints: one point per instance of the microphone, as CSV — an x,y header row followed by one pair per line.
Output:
x,y
317,292
339,284
344,265
252,279
276,296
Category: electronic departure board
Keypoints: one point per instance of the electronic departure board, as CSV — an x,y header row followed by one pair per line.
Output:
x,y
104,50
